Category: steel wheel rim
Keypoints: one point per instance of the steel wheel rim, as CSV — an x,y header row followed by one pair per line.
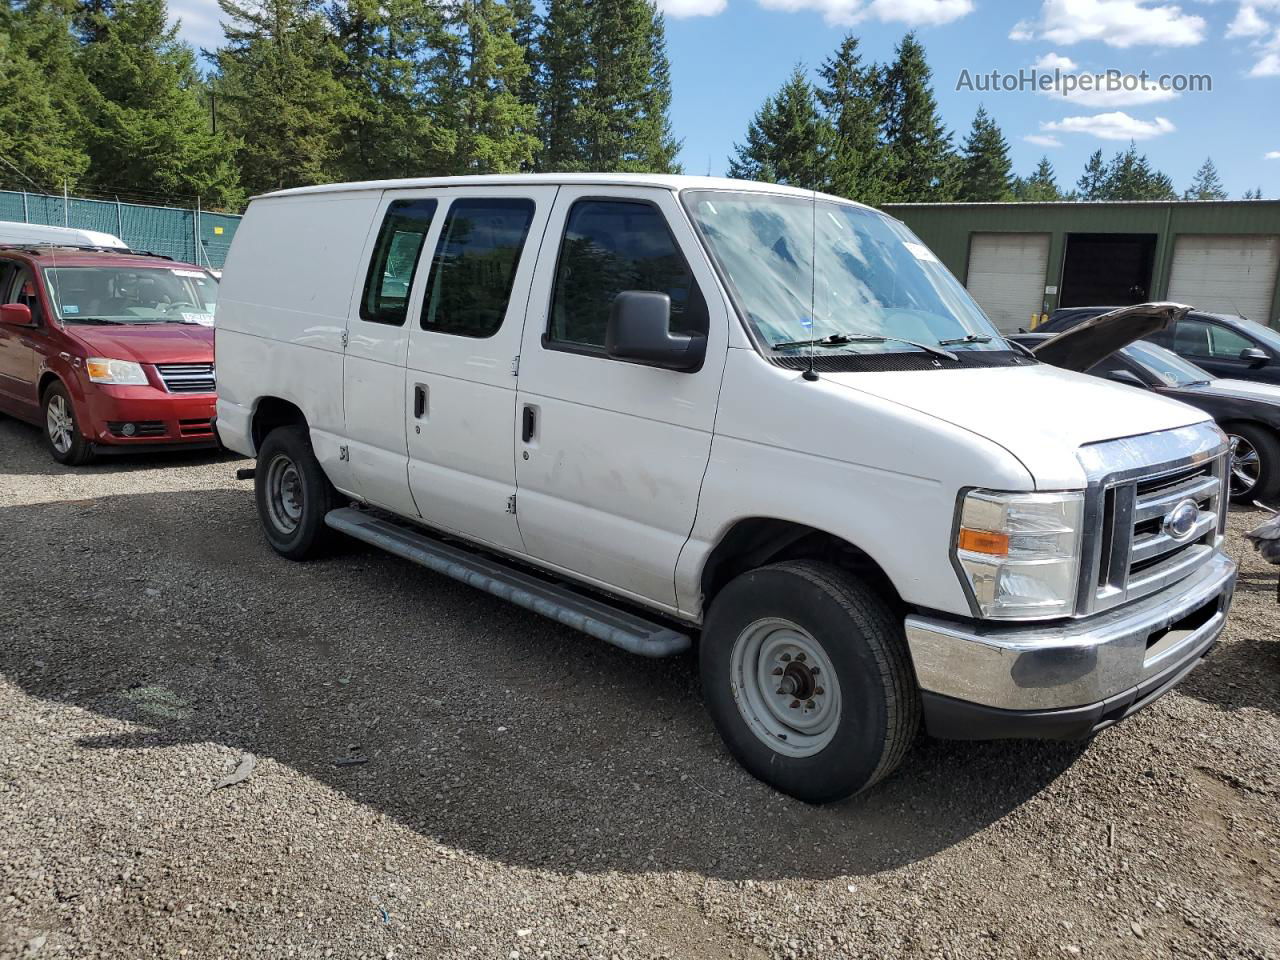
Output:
x,y
59,424
285,500
785,687
1246,466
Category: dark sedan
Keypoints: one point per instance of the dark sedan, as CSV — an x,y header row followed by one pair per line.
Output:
x,y
1226,346
1249,412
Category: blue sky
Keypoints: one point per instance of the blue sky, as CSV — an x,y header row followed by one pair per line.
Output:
x,y
728,55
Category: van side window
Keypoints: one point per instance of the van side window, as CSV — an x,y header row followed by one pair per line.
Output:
x,y
615,245
475,266
395,260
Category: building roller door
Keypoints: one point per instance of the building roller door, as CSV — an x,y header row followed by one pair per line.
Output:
x,y
1226,274
1007,276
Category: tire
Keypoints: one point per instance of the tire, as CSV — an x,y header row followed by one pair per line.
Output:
x,y
858,729
62,434
1261,463
293,495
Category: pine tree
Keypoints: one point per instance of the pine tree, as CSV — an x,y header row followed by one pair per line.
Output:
x,y
391,71
985,168
788,141
1207,185
1093,182
493,128
1130,176
40,93
913,129
851,99
144,124
605,84
1041,186
276,81
1254,194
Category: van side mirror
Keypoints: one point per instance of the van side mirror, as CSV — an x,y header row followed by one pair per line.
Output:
x,y
16,315
1255,356
1127,377
640,330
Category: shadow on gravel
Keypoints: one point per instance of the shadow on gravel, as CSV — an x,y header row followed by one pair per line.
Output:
x,y
482,726
33,460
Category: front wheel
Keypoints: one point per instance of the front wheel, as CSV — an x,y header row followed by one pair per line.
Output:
x,y
293,494
808,680
62,433
1255,468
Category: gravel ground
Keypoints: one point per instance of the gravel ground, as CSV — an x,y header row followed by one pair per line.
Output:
x,y
442,775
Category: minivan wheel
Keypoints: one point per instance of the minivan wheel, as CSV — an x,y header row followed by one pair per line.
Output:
x,y
61,432
293,494
807,677
1255,469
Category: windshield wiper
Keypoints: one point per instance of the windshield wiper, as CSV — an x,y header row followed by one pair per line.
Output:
x,y
75,319
967,338
840,339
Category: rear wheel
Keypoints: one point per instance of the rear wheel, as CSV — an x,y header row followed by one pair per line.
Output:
x,y
293,494
61,431
1255,468
807,677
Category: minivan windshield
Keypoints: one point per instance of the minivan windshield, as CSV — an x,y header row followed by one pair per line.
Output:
x,y
132,294
872,278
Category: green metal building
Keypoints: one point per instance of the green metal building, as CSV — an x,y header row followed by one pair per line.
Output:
x,y
1023,260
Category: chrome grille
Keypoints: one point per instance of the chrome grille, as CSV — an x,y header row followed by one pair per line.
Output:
x,y
187,377
1129,552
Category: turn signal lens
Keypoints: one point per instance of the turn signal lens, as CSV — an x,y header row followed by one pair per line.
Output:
x,y
984,541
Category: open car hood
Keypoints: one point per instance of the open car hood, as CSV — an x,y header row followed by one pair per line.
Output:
x,y
1098,337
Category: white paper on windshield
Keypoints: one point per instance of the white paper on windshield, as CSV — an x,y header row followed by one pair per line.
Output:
x,y
920,251
188,273
204,319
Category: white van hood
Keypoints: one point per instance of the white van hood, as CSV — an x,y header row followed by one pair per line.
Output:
x,y
1039,413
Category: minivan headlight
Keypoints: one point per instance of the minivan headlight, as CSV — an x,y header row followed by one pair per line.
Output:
x,y
1020,552
119,372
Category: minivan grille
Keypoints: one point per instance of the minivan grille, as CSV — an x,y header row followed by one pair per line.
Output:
x,y
187,377
1138,552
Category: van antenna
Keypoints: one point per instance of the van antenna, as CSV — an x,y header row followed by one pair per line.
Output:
x,y
810,374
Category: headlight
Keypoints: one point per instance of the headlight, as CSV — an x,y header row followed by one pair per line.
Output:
x,y
1020,552
119,372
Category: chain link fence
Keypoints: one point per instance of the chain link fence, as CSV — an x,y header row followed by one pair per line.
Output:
x,y
190,235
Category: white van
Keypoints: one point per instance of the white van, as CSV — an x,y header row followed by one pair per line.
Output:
x,y
16,232
672,409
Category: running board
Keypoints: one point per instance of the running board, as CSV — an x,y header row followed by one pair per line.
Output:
x,y
621,628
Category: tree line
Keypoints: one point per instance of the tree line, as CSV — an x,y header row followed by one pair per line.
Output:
x,y
874,132
102,96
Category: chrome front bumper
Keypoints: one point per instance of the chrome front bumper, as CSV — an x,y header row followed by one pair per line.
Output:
x,y
983,681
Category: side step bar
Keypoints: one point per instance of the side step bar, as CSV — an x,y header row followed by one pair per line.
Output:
x,y
621,628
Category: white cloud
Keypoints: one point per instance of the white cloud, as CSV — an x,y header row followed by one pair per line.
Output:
x,y
1117,23
1272,155
692,8
1111,126
1114,98
1042,140
1055,61
915,13
1247,23
201,25
1268,66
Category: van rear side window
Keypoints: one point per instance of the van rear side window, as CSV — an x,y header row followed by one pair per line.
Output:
x,y
395,261
475,266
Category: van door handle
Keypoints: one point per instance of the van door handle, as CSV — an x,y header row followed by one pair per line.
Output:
x,y
419,401
529,421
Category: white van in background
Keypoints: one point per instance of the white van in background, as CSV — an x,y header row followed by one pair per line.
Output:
x,y
15,232
667,409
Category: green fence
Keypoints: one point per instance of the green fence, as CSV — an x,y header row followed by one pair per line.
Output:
x,y
183,234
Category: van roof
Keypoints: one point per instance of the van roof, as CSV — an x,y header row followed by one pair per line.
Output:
x,y
666,181
59,255
17,232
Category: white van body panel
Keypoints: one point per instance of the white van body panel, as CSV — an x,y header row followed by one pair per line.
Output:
x,y
13,231
879,475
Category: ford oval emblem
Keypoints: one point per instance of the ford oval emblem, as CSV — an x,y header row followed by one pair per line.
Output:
x,y
1180,522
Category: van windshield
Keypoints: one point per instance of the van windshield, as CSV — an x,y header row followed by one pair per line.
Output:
x,y
873,278
132,294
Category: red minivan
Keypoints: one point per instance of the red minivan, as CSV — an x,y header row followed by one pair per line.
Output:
x,y
109,352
